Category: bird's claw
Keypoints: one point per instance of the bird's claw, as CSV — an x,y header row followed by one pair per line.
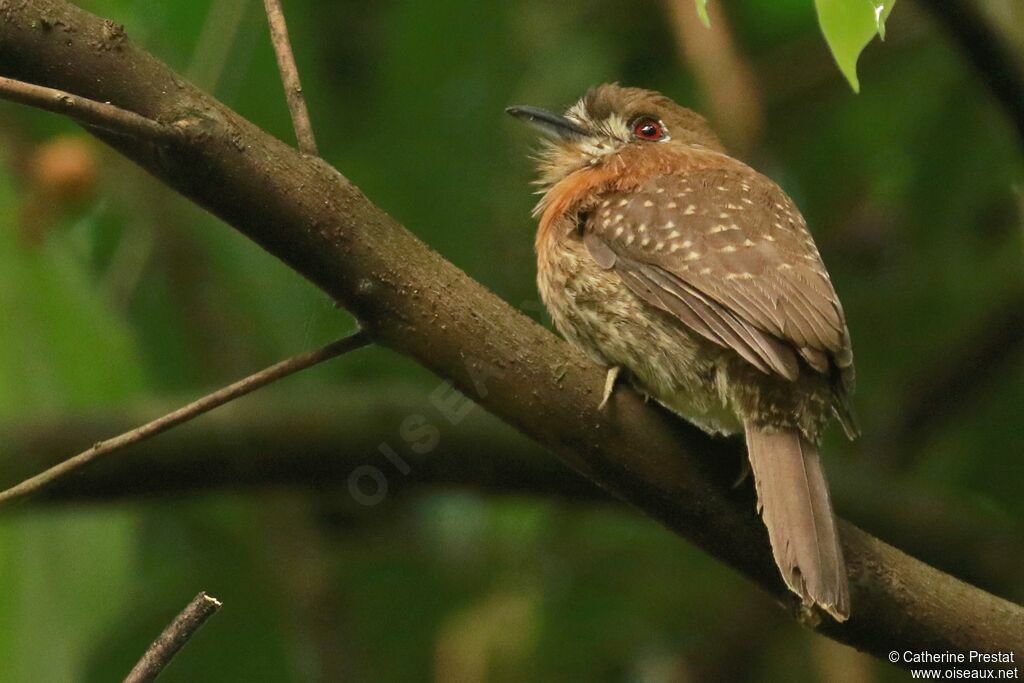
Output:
x,y
609,386
744,473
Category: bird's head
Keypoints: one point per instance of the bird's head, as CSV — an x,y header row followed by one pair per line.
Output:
x,y
611,123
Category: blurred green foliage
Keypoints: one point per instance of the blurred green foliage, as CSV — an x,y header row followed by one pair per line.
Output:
x,y
702,12
124,293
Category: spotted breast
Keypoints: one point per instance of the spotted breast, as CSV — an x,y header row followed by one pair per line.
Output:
x,y
724,290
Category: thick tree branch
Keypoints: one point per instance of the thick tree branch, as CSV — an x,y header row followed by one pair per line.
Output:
x,y
412,300
269,441
188,412
173,638
318,442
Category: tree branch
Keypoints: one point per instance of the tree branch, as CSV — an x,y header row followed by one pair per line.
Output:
x,y
267,441
290,77
725,77
318,442
185,413
413,301
173,638
87,112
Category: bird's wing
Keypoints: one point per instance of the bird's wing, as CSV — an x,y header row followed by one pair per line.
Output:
x,y
729,255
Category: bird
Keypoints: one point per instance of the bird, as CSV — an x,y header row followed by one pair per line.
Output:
x,y
679,267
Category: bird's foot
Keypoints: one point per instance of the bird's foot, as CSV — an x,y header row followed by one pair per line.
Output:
x,y
609,385
744,473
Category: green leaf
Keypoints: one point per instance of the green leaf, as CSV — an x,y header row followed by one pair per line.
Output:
x,y
702,12
848,26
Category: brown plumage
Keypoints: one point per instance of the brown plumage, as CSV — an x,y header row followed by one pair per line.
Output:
x,y
659,254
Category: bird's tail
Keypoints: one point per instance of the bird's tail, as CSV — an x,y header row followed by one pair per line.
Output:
x,y
793,500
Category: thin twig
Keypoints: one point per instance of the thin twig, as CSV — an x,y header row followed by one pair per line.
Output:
x,y
290,77
85,111
188,412
173,638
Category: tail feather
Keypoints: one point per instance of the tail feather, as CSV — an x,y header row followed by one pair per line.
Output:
x,y
794,503
842,387
843,411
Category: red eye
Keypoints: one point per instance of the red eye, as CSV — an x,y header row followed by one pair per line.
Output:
x,y
648,129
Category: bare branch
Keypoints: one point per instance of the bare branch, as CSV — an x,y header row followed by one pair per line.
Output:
x,y
85,111
724,75
186,413
414,301
173,638
317,442
290,77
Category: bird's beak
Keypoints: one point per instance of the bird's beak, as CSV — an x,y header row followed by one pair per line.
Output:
x,y
554,125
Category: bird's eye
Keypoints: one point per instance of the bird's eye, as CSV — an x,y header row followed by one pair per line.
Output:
x,y
648,129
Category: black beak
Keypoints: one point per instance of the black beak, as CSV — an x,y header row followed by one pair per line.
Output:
x,y
555,125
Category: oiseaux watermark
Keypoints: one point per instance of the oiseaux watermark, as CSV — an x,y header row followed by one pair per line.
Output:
x,y
368,484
